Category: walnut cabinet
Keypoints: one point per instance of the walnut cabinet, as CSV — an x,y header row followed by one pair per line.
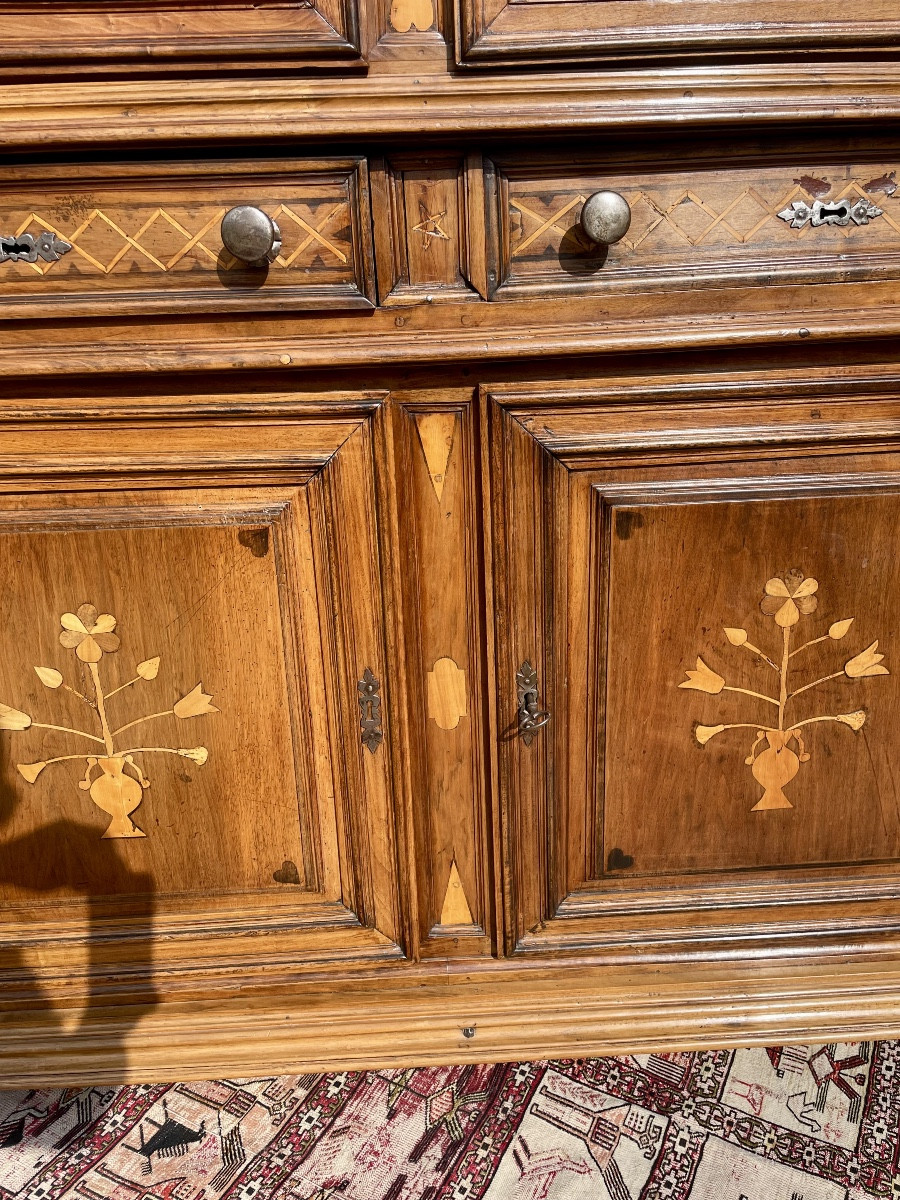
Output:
x,y
433,628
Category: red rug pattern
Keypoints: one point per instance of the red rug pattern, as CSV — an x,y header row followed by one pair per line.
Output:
x,y
787,1123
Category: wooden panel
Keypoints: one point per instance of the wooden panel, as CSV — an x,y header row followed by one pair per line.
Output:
x,y
445,628
693,220
429,229
512,31
206,35
707,593
146,238
719,808
257,826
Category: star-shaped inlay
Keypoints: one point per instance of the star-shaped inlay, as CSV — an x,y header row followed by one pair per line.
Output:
x,y
430,227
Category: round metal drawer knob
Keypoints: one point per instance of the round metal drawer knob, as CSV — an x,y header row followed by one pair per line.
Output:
x,y
250,235
605,217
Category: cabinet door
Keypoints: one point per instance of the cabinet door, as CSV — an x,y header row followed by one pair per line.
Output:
x,y
493,31
698,603
195,727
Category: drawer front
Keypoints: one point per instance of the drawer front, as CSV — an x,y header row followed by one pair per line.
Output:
x,y
139,239
698,621
195,710
117,36
694,222
522,31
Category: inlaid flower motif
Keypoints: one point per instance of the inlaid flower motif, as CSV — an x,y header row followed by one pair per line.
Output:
x,y
49,676
867,662
197,754
703,679
704,732
855,720
89,635
787,598
194,704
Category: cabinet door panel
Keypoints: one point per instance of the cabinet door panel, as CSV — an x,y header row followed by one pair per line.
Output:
x,y
190,615
708,595
680,794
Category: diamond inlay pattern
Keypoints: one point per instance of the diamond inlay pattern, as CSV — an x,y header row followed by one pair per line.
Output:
x,y
162,241
716,216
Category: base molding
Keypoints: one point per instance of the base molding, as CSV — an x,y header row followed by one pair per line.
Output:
x,y
571,1012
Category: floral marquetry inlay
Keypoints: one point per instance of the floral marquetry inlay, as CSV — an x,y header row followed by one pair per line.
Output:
x,y
112,775
778,749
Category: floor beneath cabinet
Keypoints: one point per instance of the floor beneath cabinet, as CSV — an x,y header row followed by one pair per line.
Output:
x,y
814,1122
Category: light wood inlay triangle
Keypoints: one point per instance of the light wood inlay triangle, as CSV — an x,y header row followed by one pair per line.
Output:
x,y
436,432
456,909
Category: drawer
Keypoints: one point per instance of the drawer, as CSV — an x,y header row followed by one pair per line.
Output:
x,y
157,37
132,238
697,621
524,31
699,215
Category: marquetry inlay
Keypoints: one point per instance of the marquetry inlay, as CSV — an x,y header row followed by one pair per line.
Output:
x,y
786,601
430,227
447,703
455,909
688,215
436,433
112,788
163,240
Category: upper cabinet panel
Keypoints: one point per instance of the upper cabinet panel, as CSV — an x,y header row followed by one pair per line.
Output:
x,y
511,31
156,37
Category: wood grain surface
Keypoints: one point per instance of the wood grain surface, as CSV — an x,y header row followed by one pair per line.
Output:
x,y
452,642
116,36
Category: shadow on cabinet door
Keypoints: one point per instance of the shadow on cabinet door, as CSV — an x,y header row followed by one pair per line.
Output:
x,y
54,863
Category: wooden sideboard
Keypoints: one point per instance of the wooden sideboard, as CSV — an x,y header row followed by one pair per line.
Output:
x,y
436,634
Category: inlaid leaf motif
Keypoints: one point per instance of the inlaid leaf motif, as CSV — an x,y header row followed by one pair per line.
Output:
x,y
49,676
12,718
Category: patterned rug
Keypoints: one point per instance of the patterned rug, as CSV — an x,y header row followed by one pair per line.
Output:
x,y
788,1123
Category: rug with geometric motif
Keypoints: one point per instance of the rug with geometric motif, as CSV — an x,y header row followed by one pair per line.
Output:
x,y
788,1123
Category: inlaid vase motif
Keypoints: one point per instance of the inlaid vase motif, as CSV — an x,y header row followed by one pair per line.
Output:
x,y
113,777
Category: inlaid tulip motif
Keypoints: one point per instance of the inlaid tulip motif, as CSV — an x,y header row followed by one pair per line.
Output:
x,y
113,777
779,750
